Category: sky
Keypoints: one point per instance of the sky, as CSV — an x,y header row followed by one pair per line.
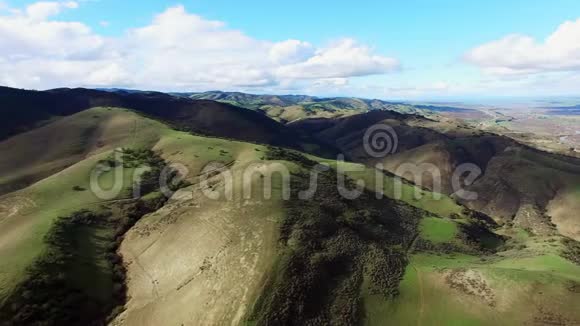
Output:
x,y
430,49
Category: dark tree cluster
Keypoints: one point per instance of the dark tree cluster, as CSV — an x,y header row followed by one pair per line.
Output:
x,y
328,246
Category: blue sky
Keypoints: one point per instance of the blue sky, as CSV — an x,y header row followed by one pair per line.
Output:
x,y
442,49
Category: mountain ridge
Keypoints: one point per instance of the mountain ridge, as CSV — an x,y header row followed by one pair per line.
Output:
x,y
396,249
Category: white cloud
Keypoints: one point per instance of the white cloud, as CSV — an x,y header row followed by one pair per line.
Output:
x,y
177,50
291,51
345,58
521,54
31,35
44,9
184,50
38,52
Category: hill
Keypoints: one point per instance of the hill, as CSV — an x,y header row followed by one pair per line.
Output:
x,y
517,183
41,152
62,184
220,250
28,109
250,101
288,108
35,212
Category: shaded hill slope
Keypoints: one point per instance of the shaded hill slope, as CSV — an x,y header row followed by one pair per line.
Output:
x,y
517,182
26,109
33,155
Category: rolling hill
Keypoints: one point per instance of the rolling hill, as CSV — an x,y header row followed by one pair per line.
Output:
x,y
517,183
288,108
217,249
33,155
28,109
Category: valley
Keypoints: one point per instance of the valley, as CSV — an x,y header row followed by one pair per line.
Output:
x,y
235,240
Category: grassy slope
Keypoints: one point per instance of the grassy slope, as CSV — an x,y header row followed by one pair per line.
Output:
x,y
246,231
186,251
306,110
33,210
36,154
516,286
30,212
531,265
188,239
437,230
190,231
438,204
22,233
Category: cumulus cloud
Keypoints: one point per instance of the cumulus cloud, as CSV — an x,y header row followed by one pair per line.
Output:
x,y
186,50
521,54
44,9
291,51
177,50
37,52
31,35
345,58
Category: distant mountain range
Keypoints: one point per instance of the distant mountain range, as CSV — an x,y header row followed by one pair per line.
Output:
x,y
287,108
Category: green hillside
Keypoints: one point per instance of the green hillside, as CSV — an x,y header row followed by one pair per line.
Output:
x,y
289,108
397,253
